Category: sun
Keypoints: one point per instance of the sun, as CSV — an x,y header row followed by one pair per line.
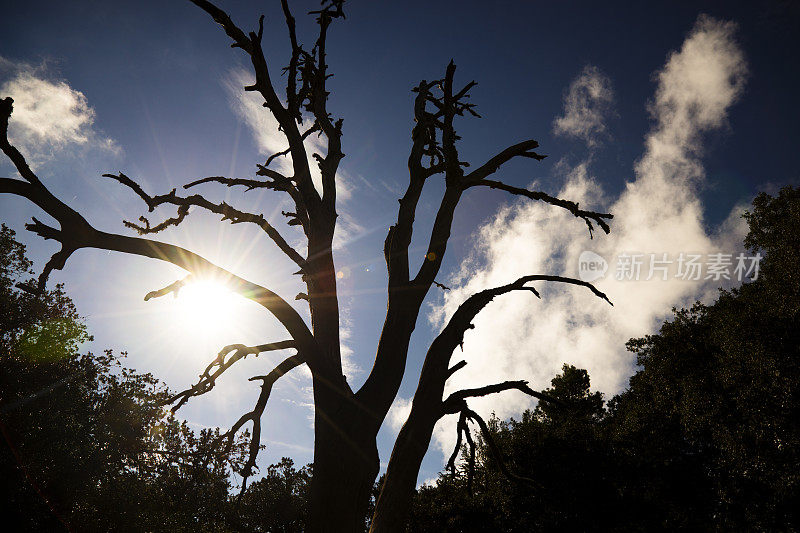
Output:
x,y
206,308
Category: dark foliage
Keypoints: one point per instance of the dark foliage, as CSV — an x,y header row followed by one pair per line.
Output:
x,y
278,502
706,436
560,447
86,445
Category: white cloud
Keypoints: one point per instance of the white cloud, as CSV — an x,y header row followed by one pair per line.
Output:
x,y
658,212
49,115
587,103
398,413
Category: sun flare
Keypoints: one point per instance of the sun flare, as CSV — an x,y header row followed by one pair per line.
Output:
x,y
206,307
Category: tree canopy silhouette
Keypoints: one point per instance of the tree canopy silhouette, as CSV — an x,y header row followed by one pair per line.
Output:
x,y
346,421
704,438
84,444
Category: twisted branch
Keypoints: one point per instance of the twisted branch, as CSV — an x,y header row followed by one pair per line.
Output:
x,y
572,207
251,45
75,233
230,182
279,182
498,455
209,376
254,416
454,402
236,216
462,428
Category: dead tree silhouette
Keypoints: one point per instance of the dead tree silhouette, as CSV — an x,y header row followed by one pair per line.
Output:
x,y
346,422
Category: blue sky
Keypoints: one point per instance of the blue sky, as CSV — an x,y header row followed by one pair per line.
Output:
x,y
671,119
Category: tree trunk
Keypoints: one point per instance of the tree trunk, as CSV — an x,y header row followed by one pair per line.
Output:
x,y
394,503
345,467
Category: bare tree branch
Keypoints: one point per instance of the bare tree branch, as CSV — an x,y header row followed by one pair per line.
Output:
x,y
251,44
470,458
311,67
171,288
441,285
406,297
428,406
6,107
455,368
314,128
462,430
236,216
496,452
453,403
523,149
76,233
292,98
209,376
436,369
450,105
254,416
453,333
572,207
279,182
434,136
230,182
461,427
318,99
399,237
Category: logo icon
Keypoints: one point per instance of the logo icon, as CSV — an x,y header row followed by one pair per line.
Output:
x,y
591,266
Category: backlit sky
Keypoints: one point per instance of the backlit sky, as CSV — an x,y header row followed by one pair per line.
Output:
x,y
672,115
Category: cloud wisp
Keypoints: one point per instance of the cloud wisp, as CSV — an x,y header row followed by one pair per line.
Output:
x,y
49,115
587,104
659,211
